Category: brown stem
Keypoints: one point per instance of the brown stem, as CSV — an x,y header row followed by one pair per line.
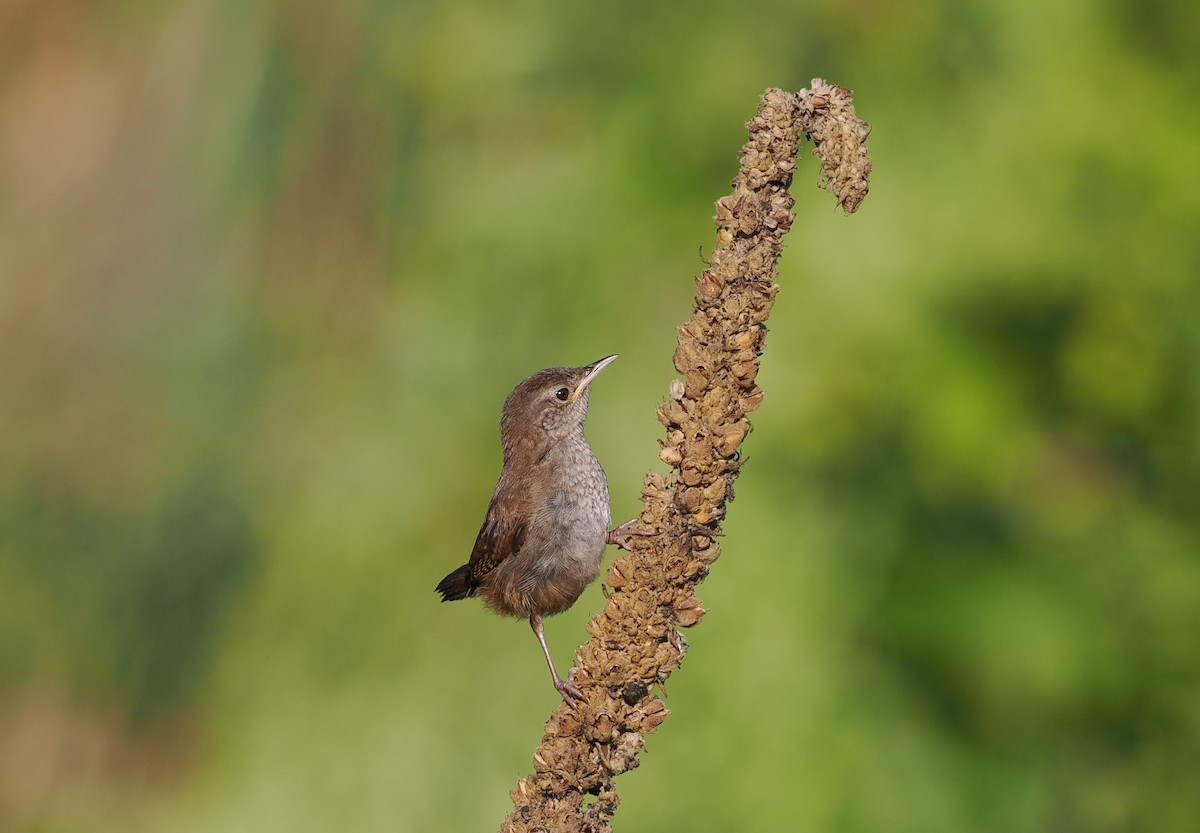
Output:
x,y
635,640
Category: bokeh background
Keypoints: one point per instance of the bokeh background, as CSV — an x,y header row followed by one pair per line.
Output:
x,y
268,270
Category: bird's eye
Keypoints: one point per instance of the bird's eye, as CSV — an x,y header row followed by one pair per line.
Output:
x,y
562,394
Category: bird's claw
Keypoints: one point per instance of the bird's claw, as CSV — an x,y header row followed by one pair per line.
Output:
x,y
620,535
572,694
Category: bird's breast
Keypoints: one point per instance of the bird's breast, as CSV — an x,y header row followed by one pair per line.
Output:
x,y
575,515
564,538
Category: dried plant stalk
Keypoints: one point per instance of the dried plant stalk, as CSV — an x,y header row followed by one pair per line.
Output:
x,y
635,640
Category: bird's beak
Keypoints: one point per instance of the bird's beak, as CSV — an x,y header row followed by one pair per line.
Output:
x,y
593,370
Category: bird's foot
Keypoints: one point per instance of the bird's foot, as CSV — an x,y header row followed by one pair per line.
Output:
x,y
620,535
572,694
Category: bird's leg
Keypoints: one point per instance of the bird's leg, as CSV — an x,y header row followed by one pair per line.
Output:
x,y
569,691
620,535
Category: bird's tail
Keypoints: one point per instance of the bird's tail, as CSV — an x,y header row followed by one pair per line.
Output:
x,y
455,586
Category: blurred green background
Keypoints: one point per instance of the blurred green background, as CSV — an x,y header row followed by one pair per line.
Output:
x,y
268,270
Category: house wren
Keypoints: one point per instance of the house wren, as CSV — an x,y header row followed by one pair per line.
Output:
x,y
547,524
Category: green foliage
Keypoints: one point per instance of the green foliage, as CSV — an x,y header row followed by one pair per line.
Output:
x,y
268,270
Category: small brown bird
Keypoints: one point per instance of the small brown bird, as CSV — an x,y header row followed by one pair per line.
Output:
x,y
547,524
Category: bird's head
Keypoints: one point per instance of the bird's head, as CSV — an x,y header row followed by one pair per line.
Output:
x,y
548,406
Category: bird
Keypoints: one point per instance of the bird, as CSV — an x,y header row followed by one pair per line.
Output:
x,y
548,521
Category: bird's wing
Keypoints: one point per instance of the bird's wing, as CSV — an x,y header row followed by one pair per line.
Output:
x,y
500,537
